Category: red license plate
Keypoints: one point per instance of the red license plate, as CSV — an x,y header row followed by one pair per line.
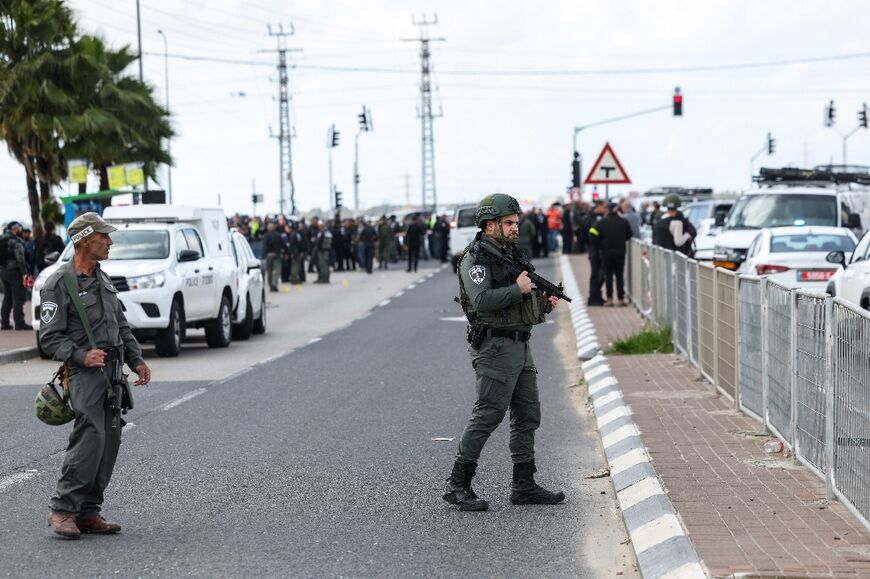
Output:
x,y
815,275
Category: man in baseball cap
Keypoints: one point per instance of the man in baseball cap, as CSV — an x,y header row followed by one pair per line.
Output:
x,y
86,224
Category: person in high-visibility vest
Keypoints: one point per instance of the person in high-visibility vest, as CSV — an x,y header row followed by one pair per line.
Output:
x,y
554,223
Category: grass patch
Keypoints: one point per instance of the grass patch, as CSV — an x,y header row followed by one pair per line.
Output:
x,y
647,341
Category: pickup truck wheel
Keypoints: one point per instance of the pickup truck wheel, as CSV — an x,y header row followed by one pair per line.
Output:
x,y
260,322
243,330
168,341
219,331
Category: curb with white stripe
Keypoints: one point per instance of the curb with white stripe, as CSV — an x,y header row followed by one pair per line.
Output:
x,y
660,541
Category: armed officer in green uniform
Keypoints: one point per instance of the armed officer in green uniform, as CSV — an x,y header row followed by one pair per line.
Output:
x,y
96,436
501,311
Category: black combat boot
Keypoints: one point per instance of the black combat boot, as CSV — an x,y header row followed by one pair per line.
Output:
x,y
458,491
525,491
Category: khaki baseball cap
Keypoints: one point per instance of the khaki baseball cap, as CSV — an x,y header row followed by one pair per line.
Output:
x,y
86,224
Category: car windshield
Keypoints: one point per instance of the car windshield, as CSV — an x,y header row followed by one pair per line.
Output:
x,y
760,211
466,217
696,212
811,242
132,244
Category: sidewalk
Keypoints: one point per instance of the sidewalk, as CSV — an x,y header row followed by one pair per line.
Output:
x,y
748,513
18,345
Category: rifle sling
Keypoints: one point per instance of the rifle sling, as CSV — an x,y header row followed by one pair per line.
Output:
x,y
73,291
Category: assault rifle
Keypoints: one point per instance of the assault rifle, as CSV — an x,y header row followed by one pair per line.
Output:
x,y
516,262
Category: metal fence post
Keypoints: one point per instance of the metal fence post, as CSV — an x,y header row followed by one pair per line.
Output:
x,y
738,339
793,324
830,353
716,329
765,379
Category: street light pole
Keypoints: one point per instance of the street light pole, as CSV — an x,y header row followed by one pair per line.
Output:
x,y
139,36
169,139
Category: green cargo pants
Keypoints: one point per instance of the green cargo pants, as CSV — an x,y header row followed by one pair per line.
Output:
x,y
506,379
273,266
93,445
323,266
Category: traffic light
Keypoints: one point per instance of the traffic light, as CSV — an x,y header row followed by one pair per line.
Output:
x,y
830,114
678,103
356,179
334,137
365,120
337,199
575,170
862,116
771,144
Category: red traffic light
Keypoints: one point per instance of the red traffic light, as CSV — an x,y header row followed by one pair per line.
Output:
x,y
678,105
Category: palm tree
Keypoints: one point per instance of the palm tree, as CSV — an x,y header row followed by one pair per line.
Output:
x,y
31,34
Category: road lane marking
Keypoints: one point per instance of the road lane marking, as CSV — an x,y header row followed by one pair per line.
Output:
x,y
273,358
234,375
455,319
384,303
400,294
15,478
314,340
183,399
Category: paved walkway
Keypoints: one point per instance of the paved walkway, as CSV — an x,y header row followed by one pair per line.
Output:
x,y
748,513
22,342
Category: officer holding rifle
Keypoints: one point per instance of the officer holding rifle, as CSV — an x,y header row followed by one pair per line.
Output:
x,y
501,305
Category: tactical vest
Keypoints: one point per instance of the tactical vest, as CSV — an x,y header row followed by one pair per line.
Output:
x,y
326,241
532,310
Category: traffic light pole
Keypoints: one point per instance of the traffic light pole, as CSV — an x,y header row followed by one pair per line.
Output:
x,y
846,138
356,171
577,130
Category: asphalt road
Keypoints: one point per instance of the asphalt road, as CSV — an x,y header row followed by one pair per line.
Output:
x,y
322,463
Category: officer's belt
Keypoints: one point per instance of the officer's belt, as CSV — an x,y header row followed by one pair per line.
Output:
x,y
515,335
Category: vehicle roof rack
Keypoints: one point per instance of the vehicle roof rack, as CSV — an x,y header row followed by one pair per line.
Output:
x,y
822,175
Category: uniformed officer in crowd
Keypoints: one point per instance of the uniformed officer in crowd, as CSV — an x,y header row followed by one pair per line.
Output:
x,y
596,275
273,247
96,436
673,231
13,269
503,364
613,232
323,247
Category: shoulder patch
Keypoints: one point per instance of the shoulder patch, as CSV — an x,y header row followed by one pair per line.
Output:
x,y
477,273
47,312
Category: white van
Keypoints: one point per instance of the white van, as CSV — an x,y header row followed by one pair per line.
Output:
x,y
463,228
791,197
173,268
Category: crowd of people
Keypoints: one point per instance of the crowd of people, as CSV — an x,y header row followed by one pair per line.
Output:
x,y
22,257
293,249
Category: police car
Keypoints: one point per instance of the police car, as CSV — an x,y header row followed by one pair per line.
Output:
x,y
174,269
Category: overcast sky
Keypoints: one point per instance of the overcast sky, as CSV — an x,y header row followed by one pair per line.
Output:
x,y
513,78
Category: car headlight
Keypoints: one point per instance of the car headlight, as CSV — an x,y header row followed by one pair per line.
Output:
x,y
151,281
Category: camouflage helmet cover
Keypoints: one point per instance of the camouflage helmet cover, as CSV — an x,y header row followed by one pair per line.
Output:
x,y
51,408
495,206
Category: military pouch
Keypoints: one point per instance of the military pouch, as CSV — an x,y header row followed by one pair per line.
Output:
x,y
476,334
534,308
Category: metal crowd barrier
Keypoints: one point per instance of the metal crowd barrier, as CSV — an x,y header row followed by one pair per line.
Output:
x,y
796,361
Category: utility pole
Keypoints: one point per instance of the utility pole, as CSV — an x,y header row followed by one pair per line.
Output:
x,y
166,82
427,185
284,133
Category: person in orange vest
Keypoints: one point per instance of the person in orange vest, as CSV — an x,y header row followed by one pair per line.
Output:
x,y
554,223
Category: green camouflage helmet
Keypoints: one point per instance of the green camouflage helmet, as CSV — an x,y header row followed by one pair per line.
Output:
x,y
495,206
672,201
51,408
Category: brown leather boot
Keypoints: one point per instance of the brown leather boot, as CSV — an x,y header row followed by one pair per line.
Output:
x,y
64,524
97,525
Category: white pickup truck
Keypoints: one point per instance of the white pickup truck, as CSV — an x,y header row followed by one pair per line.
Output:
x,y
174,269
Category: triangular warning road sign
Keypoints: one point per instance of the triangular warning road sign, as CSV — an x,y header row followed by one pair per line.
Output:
x,y
607,170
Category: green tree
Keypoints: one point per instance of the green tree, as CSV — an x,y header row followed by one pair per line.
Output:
x,y
32,34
